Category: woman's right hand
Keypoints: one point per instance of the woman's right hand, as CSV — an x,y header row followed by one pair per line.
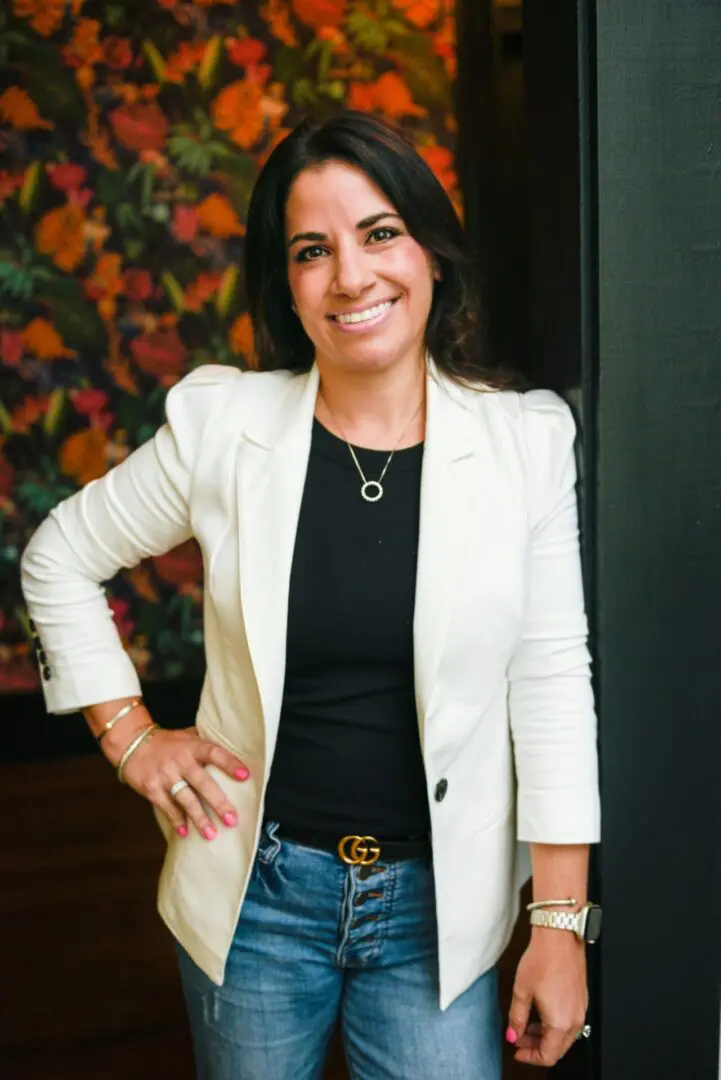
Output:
x,y
170,756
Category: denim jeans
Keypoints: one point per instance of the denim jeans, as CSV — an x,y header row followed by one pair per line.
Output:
x,y
318,942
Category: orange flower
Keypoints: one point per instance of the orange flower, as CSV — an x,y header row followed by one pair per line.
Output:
x,y
59,234
317,13
217,215
440,159
41,337
241,338
201,290
419,12
45,16
83,455
237,110
142,582
185,58
84,47
19,110
389,95
27,413
106,280
277,16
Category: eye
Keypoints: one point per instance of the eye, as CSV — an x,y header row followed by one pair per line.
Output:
x,y
309,254
383,232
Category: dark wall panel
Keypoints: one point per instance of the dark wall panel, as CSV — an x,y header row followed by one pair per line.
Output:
x,y
659,533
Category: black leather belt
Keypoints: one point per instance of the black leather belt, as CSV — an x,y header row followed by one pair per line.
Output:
x,y
357,850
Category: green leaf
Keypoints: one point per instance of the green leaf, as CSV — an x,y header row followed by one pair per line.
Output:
x,y
77,322
55,92
5,420
190,154
16,282
423,71
55,411
38,499
289,65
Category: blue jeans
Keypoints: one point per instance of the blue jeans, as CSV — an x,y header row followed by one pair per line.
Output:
x,y
318,942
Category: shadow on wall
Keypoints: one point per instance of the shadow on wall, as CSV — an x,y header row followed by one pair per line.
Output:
x,y
131,135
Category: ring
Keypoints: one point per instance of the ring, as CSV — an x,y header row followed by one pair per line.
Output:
x,y
178,786
585,1032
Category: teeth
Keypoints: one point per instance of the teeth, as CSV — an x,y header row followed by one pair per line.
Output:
x,y
364,316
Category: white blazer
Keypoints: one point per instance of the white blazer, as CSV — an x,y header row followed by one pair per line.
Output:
x,y
505,709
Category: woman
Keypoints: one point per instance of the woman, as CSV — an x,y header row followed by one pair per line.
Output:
x,y
397,686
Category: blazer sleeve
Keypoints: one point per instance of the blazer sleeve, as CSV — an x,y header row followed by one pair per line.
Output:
x,y
139,508
552,714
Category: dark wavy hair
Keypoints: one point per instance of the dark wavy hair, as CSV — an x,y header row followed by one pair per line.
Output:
x,y
453,334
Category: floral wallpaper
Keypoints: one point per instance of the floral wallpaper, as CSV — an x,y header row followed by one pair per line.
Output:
x,y
131,133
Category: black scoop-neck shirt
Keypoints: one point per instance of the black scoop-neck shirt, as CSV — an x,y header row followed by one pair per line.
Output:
x,y
348,756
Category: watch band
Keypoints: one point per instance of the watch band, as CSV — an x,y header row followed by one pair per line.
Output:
x,y
556,920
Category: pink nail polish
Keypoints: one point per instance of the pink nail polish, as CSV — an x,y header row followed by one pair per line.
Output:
x,y
182,830
511,1036
209,832
229,818
242,774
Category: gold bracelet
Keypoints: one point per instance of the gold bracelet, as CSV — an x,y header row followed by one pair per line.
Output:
x,y
119,716
139,739
570,902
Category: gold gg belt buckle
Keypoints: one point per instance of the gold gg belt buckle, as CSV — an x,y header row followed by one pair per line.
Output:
x,y
359,850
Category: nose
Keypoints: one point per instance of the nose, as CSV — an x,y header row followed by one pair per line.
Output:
x,y
353,271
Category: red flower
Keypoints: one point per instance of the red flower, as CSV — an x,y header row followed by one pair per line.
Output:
x,y
160,352
117,53
140,126
185,223
120,609
317,13
17,674
11,346
89,402
7,476
181,566
67,177
137,284
245,52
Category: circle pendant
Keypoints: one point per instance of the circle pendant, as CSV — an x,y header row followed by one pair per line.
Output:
x,y
372,491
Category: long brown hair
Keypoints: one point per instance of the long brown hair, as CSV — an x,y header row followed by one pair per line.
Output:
x,y
454,335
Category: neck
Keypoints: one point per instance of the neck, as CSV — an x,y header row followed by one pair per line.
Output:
x,y
372,410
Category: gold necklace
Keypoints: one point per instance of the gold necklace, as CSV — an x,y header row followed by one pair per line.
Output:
x,y
371,490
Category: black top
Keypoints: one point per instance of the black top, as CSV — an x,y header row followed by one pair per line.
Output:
x,y
348,757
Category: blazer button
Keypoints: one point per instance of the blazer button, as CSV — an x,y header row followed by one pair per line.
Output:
x,y
31,624
42,657
46,672
441,789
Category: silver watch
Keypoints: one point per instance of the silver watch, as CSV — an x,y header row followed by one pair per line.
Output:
x,y
585,924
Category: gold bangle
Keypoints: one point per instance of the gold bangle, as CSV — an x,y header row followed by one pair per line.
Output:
x,y
139,739
570,902
119,716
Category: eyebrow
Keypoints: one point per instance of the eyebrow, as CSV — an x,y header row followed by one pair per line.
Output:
x,y
365,223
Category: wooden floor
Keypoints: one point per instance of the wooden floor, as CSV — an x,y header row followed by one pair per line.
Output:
x,y
89,988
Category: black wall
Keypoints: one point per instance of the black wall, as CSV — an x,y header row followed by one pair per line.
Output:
x,y
658,533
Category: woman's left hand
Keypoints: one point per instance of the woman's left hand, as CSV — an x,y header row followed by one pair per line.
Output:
x,y
551,975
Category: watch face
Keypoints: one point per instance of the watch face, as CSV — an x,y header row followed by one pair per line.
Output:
x,y
593,925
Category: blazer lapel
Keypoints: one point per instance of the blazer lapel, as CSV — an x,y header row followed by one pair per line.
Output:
x,y
272,466
443,553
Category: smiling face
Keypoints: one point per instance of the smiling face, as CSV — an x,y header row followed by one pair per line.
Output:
x,y
362,286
